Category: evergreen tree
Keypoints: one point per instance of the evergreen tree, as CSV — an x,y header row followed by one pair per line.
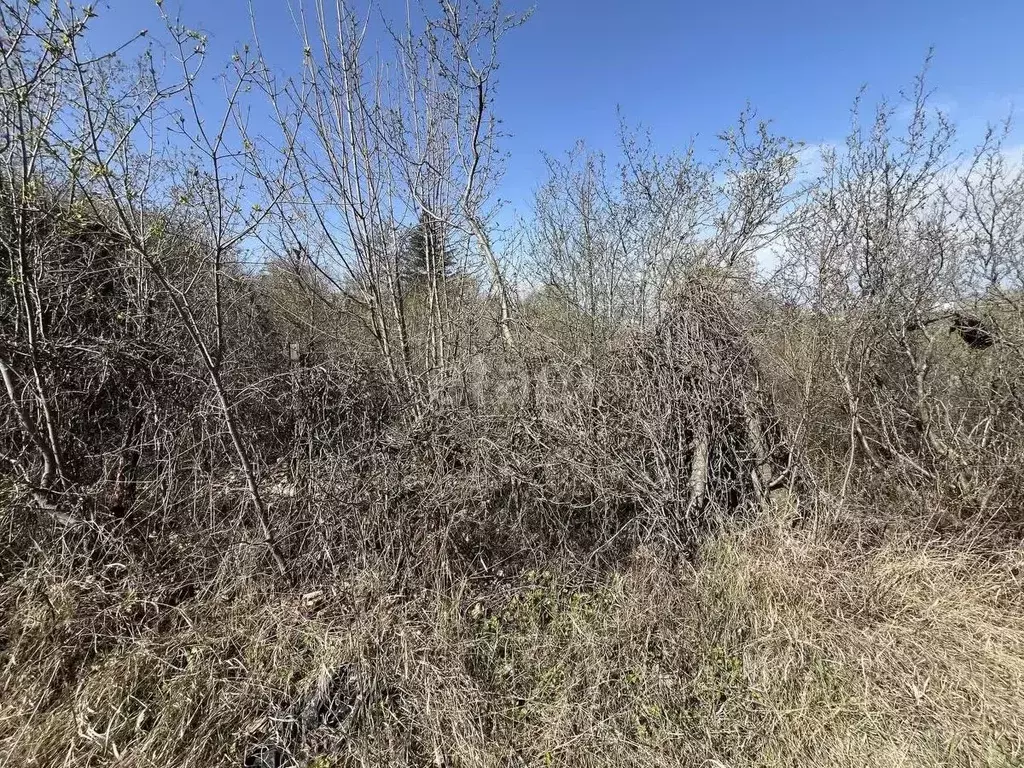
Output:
x,y
425,253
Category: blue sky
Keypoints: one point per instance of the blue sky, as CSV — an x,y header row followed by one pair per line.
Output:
x,y
686,68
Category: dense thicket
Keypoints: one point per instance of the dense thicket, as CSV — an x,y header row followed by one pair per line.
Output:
x,y
300,358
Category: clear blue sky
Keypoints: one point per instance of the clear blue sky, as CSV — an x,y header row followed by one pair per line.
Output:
x,y
688,68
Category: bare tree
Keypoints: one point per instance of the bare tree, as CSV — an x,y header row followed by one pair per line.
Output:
x,y
384,144
122,129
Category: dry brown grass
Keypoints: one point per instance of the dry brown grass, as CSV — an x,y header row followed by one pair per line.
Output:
x,y
782,646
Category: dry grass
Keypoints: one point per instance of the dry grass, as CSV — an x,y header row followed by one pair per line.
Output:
x,y
782,646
